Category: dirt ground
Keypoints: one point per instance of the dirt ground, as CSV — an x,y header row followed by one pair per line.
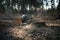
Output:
x,y
29,32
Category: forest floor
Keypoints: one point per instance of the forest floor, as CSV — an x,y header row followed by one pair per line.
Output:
x,y
29,32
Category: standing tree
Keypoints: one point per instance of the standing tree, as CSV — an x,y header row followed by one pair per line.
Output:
x,y
52,4
58,7
35,3
2,9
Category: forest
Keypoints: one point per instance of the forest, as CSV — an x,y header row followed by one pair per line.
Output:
x,y
29,19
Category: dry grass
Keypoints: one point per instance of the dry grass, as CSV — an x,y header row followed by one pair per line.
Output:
x,y
22,31
31,32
